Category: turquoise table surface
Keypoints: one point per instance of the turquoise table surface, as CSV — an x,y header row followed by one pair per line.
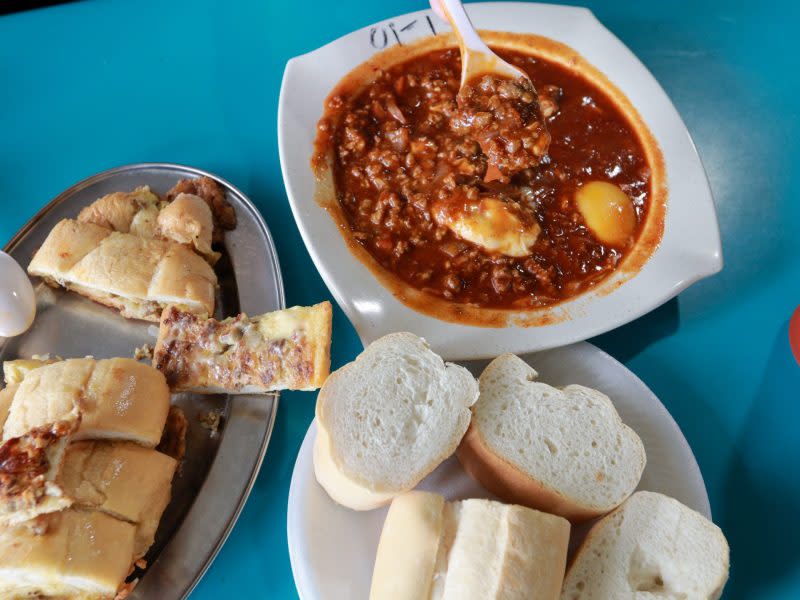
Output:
x,y
92,85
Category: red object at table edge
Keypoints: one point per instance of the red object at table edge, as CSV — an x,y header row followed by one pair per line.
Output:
x,y
794,334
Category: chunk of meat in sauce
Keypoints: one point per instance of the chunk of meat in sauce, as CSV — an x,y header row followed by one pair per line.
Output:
x,y
503,116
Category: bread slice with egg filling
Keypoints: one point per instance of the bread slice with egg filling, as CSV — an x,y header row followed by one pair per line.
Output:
x,y
284,349
650,547
388,419
564,451
468,550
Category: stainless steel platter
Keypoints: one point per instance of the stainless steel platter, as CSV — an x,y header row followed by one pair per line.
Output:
x,y
219,470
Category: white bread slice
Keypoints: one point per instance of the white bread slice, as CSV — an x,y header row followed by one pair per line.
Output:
x,y
388,419
75,554
116,398
650,547
468,550
565,451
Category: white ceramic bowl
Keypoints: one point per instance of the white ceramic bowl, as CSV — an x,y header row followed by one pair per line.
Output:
x,y
689,250
332,549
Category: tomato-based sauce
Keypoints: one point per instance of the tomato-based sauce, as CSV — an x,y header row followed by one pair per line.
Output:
x,y
413,186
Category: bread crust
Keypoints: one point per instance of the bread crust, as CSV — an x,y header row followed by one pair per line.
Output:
x,y
513,485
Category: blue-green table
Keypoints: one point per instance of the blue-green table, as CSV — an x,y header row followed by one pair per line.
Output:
x,y
91,85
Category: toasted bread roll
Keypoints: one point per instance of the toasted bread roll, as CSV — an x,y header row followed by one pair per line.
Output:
x,y
123,479
212,194
138,276
188,220
128,212
117,399
388,419
285,349
565,451
650,547
185,220
76,554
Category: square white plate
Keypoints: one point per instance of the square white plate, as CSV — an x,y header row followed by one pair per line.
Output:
x,y
689,250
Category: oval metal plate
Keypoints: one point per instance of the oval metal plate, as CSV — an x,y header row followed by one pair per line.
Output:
x,y
218,471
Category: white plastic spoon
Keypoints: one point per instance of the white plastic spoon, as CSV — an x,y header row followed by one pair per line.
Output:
x,y
476,57
17,300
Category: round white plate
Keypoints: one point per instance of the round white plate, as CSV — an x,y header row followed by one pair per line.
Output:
x,y
690,248
332,549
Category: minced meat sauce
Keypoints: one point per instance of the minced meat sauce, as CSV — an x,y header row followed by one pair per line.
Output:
x,y
405,151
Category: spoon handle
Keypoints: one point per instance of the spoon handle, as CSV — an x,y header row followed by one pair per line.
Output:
x,y
461,24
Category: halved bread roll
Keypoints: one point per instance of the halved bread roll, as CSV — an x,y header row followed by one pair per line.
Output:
x,y
123,479
74,553
284,349
650,547
116,399
138,276
565,451
468,550
388,419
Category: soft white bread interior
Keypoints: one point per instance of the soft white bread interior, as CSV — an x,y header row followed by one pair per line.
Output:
x,y
651,547
565,451
117,399
468,550
137,275
388,419
73,554
123,479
